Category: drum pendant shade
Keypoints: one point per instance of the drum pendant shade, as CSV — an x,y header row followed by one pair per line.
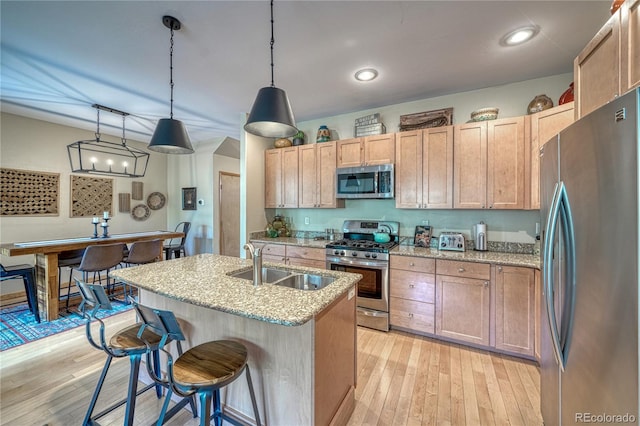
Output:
x,y
170,137
271,115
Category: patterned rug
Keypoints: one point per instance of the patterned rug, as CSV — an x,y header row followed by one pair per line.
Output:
x,y
18,326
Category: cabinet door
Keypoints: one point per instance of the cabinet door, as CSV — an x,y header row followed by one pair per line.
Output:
x,y
545,125
470,166
408,170
326,176
596,70
412,315
515,305
630,45
379,149
462,309
350,152
272,178
307,176
505,163
437,168
290,177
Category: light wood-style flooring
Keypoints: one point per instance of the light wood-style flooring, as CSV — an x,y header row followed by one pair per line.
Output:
x,y
402,380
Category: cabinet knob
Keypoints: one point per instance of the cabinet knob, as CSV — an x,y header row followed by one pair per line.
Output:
x,y
412,264
460,269
491,206
486,284
499,268
410,315
412,285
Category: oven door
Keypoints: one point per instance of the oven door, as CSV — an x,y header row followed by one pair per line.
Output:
x,y
373,288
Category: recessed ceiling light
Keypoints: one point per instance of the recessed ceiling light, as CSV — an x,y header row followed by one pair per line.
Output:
x,y
366,74
519,35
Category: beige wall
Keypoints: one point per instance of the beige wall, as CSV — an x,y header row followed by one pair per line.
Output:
x,y
41,146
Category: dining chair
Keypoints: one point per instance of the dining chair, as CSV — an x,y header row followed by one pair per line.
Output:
x,y
27,273
142,252
98,259
176,248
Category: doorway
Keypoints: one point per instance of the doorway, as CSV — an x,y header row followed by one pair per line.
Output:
x,y
229,214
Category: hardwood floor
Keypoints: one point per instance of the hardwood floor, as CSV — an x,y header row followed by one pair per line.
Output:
x,y
402,380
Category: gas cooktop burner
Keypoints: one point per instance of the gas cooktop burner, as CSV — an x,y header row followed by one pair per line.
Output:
x,y
362,245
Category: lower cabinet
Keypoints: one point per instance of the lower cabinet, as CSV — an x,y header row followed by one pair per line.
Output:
x,y
412,294
294,255
463,304
476,303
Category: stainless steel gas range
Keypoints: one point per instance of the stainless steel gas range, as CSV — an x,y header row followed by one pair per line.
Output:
x,y
358,252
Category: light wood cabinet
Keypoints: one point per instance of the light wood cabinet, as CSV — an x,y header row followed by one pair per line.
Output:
x,y
317,176
424,168
293,255
412,294
609,65
281,177
544,125
367,151
489,164
515,306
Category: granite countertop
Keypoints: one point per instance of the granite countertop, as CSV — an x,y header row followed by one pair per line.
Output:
x,y
511,259
202,280
302,242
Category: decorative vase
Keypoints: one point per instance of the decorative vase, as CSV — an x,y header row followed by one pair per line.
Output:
x,y
567,96
298,138
324,134
539,103
282,143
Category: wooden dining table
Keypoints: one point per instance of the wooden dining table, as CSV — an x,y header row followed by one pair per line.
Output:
x,y
46,253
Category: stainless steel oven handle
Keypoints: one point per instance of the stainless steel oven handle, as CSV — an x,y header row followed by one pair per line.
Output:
x,y
372,313
358,262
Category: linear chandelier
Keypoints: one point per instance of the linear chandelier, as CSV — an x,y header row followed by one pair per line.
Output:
x,y
97,156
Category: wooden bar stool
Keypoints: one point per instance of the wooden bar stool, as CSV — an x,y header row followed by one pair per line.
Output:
x,y
204,370
133,342
27,273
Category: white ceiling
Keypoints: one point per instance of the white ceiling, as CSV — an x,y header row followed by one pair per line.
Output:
x,y
60,57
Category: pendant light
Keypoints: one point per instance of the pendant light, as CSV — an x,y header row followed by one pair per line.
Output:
x,y
170,136
271,115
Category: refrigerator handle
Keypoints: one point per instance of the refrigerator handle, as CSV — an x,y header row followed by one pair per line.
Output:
x,y
570,272
552,228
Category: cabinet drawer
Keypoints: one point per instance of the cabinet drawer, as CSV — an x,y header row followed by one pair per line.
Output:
x,y
418,264
274,259
309,263
454,268
413,285
413,315
274,250
306,253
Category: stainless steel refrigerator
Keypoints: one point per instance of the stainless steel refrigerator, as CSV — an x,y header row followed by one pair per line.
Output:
x,y
590,207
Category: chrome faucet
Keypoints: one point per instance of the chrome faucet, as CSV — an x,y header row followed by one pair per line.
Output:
x,y
256,254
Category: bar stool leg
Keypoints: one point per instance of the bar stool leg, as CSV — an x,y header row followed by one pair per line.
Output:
x,y
133,388
256,413
205,407
92,405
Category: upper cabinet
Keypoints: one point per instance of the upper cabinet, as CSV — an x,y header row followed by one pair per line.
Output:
x,y
366,151
545,125
317,176
489,164
610,63
281,177
424,168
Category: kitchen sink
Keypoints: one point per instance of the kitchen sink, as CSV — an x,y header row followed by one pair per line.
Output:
x,y
287,278
305,281
269,275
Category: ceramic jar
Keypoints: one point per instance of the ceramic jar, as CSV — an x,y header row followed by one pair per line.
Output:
x,y
567,95
324,134
298,138
539,103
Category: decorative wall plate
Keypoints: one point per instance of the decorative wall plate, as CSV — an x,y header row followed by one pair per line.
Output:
x,y
155,201
140,212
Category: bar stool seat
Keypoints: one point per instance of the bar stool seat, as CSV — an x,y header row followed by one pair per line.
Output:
x,y
204,370
27,273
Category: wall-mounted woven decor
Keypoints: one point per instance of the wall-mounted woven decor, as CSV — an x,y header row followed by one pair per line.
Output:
x,y
124,202
29,193
136,190
91,196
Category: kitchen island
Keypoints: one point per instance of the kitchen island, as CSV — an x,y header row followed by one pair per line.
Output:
x,y
302,344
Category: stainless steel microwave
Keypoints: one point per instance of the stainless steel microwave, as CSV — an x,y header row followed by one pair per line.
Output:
x,y
365,182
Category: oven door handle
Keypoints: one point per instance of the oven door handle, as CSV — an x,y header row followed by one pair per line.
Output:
x,y
358,262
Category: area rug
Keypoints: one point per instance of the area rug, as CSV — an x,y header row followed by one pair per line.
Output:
x,y
18,326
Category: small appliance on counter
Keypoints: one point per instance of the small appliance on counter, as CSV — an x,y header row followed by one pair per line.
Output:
x,y
480,236
453,241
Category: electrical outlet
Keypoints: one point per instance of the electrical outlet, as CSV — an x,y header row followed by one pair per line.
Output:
x,y
306,220
425,222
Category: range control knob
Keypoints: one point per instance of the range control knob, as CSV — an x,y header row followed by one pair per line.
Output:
x,y
354,253
336,252
342,253
367,255
374,255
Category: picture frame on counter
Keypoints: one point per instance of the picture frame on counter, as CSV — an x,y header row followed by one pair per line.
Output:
x,y
189,199
422,236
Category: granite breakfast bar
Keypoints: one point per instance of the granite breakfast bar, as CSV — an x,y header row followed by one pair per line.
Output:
x,y
302,344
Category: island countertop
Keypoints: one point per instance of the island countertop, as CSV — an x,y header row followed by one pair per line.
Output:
x,y
202,280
